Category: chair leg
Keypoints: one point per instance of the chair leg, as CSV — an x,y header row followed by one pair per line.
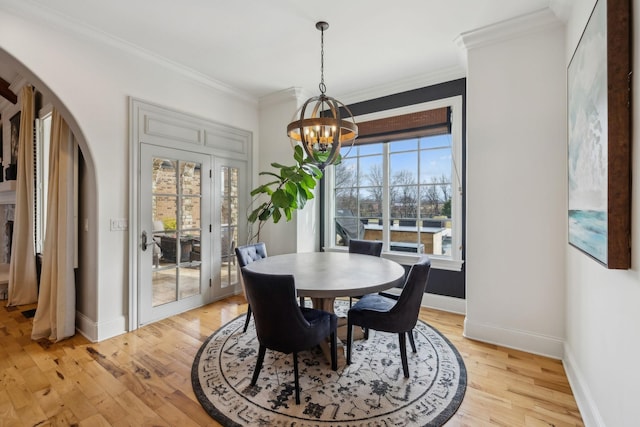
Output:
x,y
256,371
350,302
366,333
403,354
412,341
246,321
301,301
295,376
334,351
349,341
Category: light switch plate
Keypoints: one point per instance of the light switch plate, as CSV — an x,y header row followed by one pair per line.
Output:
x,y
119,224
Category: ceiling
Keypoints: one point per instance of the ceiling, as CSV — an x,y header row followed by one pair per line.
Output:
x,y
258,47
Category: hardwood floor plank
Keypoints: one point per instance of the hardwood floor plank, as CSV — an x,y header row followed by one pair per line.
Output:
x,y
144,377
49,401
110,411
96,420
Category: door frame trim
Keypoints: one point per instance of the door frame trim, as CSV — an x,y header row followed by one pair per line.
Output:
x,y
154,124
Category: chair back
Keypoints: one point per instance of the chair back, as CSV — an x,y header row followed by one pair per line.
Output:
x,y
248,253
407,307
365,247
280,324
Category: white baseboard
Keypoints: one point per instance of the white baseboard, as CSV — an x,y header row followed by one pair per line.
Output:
x,y
512,338
86,327
95,332
581,392
444,303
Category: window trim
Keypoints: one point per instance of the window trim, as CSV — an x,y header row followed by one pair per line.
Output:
x,y
455,261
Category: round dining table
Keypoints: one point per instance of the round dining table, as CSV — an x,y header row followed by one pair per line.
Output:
x,y
324,276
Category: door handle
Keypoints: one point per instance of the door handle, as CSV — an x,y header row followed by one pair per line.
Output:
x,y
144,241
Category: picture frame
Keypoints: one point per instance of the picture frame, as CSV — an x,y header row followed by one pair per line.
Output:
x,y
599,137
11,170
15,136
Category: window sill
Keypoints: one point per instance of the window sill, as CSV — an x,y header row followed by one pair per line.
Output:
x,y
437,262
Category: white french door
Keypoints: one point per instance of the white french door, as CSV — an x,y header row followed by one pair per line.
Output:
x,y
175,241
188,204
230,180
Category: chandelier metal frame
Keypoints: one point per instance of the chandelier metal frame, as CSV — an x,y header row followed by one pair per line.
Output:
x,y
318,125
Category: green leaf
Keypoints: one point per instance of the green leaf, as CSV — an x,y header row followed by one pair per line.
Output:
x,y
282,199
298,154
280,166
272,174
264,188
320,156
276,216
313,170
301,196
286,173
307,192
287,212
265,214
253,216
295,177
291,188
308,181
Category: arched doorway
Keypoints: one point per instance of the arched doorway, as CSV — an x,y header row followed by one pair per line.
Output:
x,y
17,76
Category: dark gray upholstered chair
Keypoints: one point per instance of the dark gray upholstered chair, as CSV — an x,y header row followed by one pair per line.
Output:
x,y
282,325
384,314
364,247
246,255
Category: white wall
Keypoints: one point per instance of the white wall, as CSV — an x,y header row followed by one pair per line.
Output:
x,y
92,79
603,318
516,184
301,234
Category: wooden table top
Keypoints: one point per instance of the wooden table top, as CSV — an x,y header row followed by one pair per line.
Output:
x,y
333,274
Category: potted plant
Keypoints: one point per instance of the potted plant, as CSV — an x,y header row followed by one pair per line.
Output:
x,y
290,189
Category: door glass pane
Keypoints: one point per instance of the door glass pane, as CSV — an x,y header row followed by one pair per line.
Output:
x,y
190,176
190,215
229,226
164,286
175,237
164,176
189,271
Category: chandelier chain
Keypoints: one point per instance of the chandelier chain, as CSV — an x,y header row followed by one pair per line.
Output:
x,y
322,86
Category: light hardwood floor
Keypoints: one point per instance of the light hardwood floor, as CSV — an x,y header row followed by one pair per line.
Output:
x,y
143,378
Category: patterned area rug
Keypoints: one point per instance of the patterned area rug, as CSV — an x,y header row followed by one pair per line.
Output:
x,y
372,391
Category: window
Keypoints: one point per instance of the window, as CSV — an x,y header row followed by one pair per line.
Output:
x,y
402,187
43,139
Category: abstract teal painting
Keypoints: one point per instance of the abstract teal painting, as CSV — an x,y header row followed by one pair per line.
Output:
x,y
598,120
587,79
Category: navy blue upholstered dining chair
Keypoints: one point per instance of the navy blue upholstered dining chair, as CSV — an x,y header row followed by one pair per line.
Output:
x,y
246,255
364,247
380,313
282,325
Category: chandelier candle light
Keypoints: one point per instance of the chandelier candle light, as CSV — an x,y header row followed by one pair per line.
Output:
x,y
319,126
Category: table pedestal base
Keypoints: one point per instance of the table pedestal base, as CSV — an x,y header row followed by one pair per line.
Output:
x,y
326,304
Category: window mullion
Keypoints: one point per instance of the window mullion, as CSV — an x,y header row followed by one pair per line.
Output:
x,y
386,209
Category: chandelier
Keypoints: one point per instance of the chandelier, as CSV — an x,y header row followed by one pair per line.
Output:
x,y
318,125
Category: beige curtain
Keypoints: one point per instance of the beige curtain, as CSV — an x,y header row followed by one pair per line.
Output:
x,y
23,286
55,315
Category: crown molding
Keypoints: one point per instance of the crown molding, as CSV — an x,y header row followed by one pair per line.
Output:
x,y
44,14
505,30
562,8
296,94
398,86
